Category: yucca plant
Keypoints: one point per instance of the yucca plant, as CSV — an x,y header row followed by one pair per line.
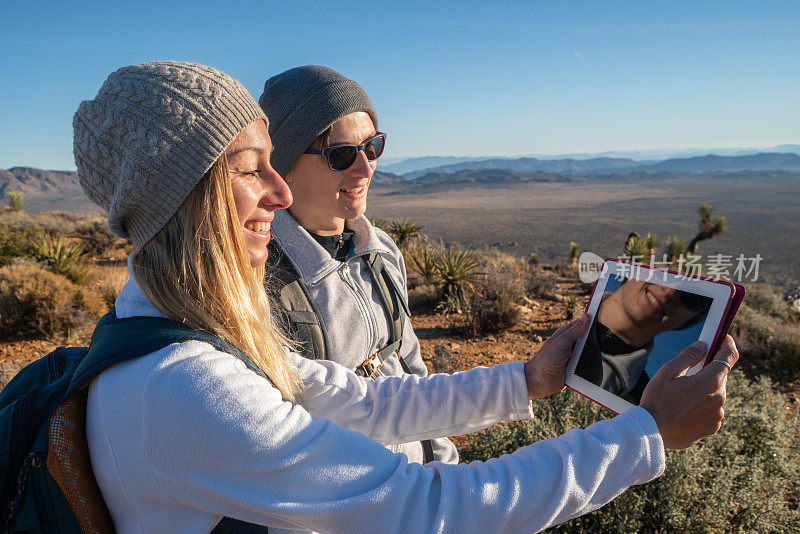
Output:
x,y
457,270
637,249
676,248
402,231
574,252
572,306
533,259
60,256
424,259
383,224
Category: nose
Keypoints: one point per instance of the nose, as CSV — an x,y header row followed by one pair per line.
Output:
x,y
362,166
275,193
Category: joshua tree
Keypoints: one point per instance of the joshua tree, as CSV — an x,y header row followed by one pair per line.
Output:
x,y
533,259
574,252
708,227
16,201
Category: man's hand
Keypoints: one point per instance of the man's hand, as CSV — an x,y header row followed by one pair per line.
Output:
x,y
544,373
689,408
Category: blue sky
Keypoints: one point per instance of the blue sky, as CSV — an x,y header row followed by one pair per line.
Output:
x,y
446,78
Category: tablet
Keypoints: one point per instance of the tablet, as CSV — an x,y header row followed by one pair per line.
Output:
x,y
642,317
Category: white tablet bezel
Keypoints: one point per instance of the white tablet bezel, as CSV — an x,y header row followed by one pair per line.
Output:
x,y
720,292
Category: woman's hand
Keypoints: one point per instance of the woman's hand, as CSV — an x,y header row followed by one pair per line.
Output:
x,y
688,408
544,373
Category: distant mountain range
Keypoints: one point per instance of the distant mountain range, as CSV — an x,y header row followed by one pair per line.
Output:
x,y
60,190
700,164
409,165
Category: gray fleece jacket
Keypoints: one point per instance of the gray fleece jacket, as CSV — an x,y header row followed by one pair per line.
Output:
x,y
351,308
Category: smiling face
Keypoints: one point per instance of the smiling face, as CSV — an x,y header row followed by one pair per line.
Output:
x,y
257,189
323,198
653,307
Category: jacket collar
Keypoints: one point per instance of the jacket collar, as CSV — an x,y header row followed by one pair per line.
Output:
x,y
131,302
313,262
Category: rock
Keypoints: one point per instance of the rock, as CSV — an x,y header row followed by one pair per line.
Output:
x,y
537,338
793,297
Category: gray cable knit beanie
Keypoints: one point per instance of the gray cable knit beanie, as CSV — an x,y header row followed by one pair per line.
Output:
x,y
149,136
303,102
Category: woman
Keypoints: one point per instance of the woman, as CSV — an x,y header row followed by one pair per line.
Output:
x,y
325,140
178,155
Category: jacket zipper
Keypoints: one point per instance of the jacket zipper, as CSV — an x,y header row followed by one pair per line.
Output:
x,y
362,301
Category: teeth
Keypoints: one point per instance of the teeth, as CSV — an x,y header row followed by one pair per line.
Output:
x,y
353,191
653,300
258,227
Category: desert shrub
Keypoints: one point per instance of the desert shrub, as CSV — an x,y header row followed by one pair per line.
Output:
x,y
60,222
496,294
111,282
35,301
675,248
403,231
17,242
61,256
16,201
457,270
767,300
745,478
423,258
492,313
540,284
423,298
572,306
767,343
383,224
443,360
96,238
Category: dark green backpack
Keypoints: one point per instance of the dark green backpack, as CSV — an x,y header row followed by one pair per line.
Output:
x,y
47,480
302,321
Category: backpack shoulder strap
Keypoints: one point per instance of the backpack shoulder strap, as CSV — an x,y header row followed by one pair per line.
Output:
x,y
118,340
393,304
297,313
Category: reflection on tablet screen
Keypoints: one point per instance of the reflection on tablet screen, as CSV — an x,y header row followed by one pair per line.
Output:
x,y
638,327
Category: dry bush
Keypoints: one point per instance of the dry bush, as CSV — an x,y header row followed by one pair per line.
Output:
x,y
745,478
767,342
443,359
541,284
494,306
17,241
35,301
423,298
96,238
111,280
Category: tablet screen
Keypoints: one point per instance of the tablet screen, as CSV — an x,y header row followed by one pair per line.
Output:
x,y
641,319
637,328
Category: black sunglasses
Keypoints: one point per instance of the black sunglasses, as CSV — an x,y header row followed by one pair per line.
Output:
x,y
340,157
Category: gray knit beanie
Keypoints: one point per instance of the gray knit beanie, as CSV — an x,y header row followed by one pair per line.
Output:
x,y
149,136
303,102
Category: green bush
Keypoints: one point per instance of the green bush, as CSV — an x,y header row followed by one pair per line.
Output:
x,y
36,302
745,478
17,242
16,201
766,342
767,300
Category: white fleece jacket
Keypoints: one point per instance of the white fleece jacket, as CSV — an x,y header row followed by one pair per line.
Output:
x,y
187,435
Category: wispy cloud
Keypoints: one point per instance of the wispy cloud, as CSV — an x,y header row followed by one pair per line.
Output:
x,y
579,56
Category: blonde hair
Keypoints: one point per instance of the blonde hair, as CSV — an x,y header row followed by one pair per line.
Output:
x,y
196,271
